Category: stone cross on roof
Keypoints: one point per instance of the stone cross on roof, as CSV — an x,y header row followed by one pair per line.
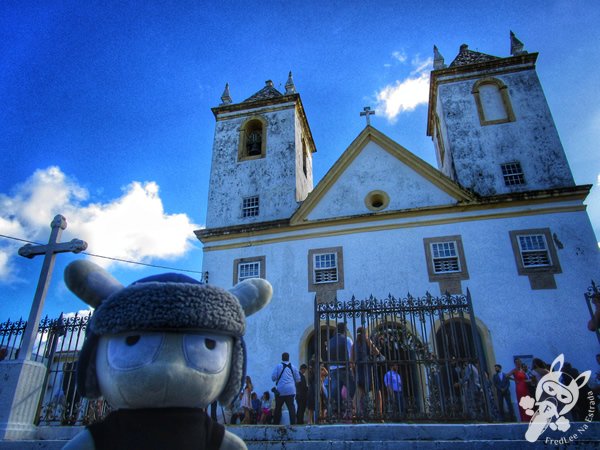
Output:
x,y
49,251
367,112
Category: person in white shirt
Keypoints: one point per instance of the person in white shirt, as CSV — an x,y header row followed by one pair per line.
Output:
x,y
285,377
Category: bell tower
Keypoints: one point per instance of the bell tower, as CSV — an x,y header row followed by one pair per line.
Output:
x,y
491,125
261,159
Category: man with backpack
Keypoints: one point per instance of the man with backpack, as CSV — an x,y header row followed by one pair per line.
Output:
x,y
285,377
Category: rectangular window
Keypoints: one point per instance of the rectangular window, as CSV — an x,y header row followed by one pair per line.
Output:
x,y
253,267
250,206
325,268
446,263
248,270
445,257
513,174
534,250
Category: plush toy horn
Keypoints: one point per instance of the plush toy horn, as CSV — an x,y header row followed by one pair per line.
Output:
x,y
90,282
253,294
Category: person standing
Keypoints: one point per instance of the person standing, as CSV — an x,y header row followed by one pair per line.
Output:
x,y
471,390
339,349
518,374
364,352
393,384
285,377
502,384
247,401
301,395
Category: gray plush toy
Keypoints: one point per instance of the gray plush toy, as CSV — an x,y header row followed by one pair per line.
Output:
x,y
159,352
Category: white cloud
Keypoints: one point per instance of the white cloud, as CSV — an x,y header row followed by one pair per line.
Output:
x,y
133,226
406,94
421,65
399,56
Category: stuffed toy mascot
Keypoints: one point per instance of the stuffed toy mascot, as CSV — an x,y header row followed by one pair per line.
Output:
x,y
159,352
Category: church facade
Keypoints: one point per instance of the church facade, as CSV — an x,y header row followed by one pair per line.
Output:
x,y
500,216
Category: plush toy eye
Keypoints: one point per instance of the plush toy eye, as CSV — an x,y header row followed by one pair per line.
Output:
x,y
210,344
207,353
132,340
130,351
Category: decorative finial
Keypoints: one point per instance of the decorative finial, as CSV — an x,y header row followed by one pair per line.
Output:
x,y
367,112
516,46
269,83
464,48
226,98
290,88
438,59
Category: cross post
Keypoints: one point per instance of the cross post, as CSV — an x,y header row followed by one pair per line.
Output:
x,y
49,251
367,112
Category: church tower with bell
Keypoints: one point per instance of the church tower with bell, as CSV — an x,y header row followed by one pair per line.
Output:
x,y
500,221
261,160
491,125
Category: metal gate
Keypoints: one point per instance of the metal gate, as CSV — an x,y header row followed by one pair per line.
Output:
x,y
409,359
57,346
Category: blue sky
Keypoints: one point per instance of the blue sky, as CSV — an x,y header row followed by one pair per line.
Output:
x,y
106,116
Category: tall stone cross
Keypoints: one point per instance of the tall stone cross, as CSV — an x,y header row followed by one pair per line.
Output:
x,y
367,112
49,251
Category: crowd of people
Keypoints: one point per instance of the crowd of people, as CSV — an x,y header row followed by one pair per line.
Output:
x,y
291,389
358,381
347,385
526,380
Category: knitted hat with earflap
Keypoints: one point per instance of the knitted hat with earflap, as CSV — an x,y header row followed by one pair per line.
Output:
x,y
168,302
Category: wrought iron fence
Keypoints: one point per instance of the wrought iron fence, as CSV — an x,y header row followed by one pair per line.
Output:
x,y
57,346
410,359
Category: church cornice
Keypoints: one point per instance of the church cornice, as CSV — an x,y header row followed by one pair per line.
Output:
x,y
510,64
484,208
565,193
240,230
245,106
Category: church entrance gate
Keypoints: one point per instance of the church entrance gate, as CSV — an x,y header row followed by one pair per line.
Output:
x,y
411,359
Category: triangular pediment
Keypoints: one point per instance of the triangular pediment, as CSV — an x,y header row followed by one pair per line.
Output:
x,y
374,166
265,93
466,57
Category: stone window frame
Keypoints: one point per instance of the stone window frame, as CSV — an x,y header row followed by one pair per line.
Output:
x,y
329,286
256,259
250,206
242,153
448,281
540,277
503,90
512,173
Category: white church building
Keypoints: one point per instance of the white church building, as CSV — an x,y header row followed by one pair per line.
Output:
x,y
500,216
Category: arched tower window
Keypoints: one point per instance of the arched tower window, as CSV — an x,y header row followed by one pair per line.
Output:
x,y
252,139
493,102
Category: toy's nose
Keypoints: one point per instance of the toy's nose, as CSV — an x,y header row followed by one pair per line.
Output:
x,y
171,351
158,383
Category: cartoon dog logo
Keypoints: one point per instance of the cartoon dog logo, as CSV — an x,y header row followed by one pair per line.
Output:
x,y
555,395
